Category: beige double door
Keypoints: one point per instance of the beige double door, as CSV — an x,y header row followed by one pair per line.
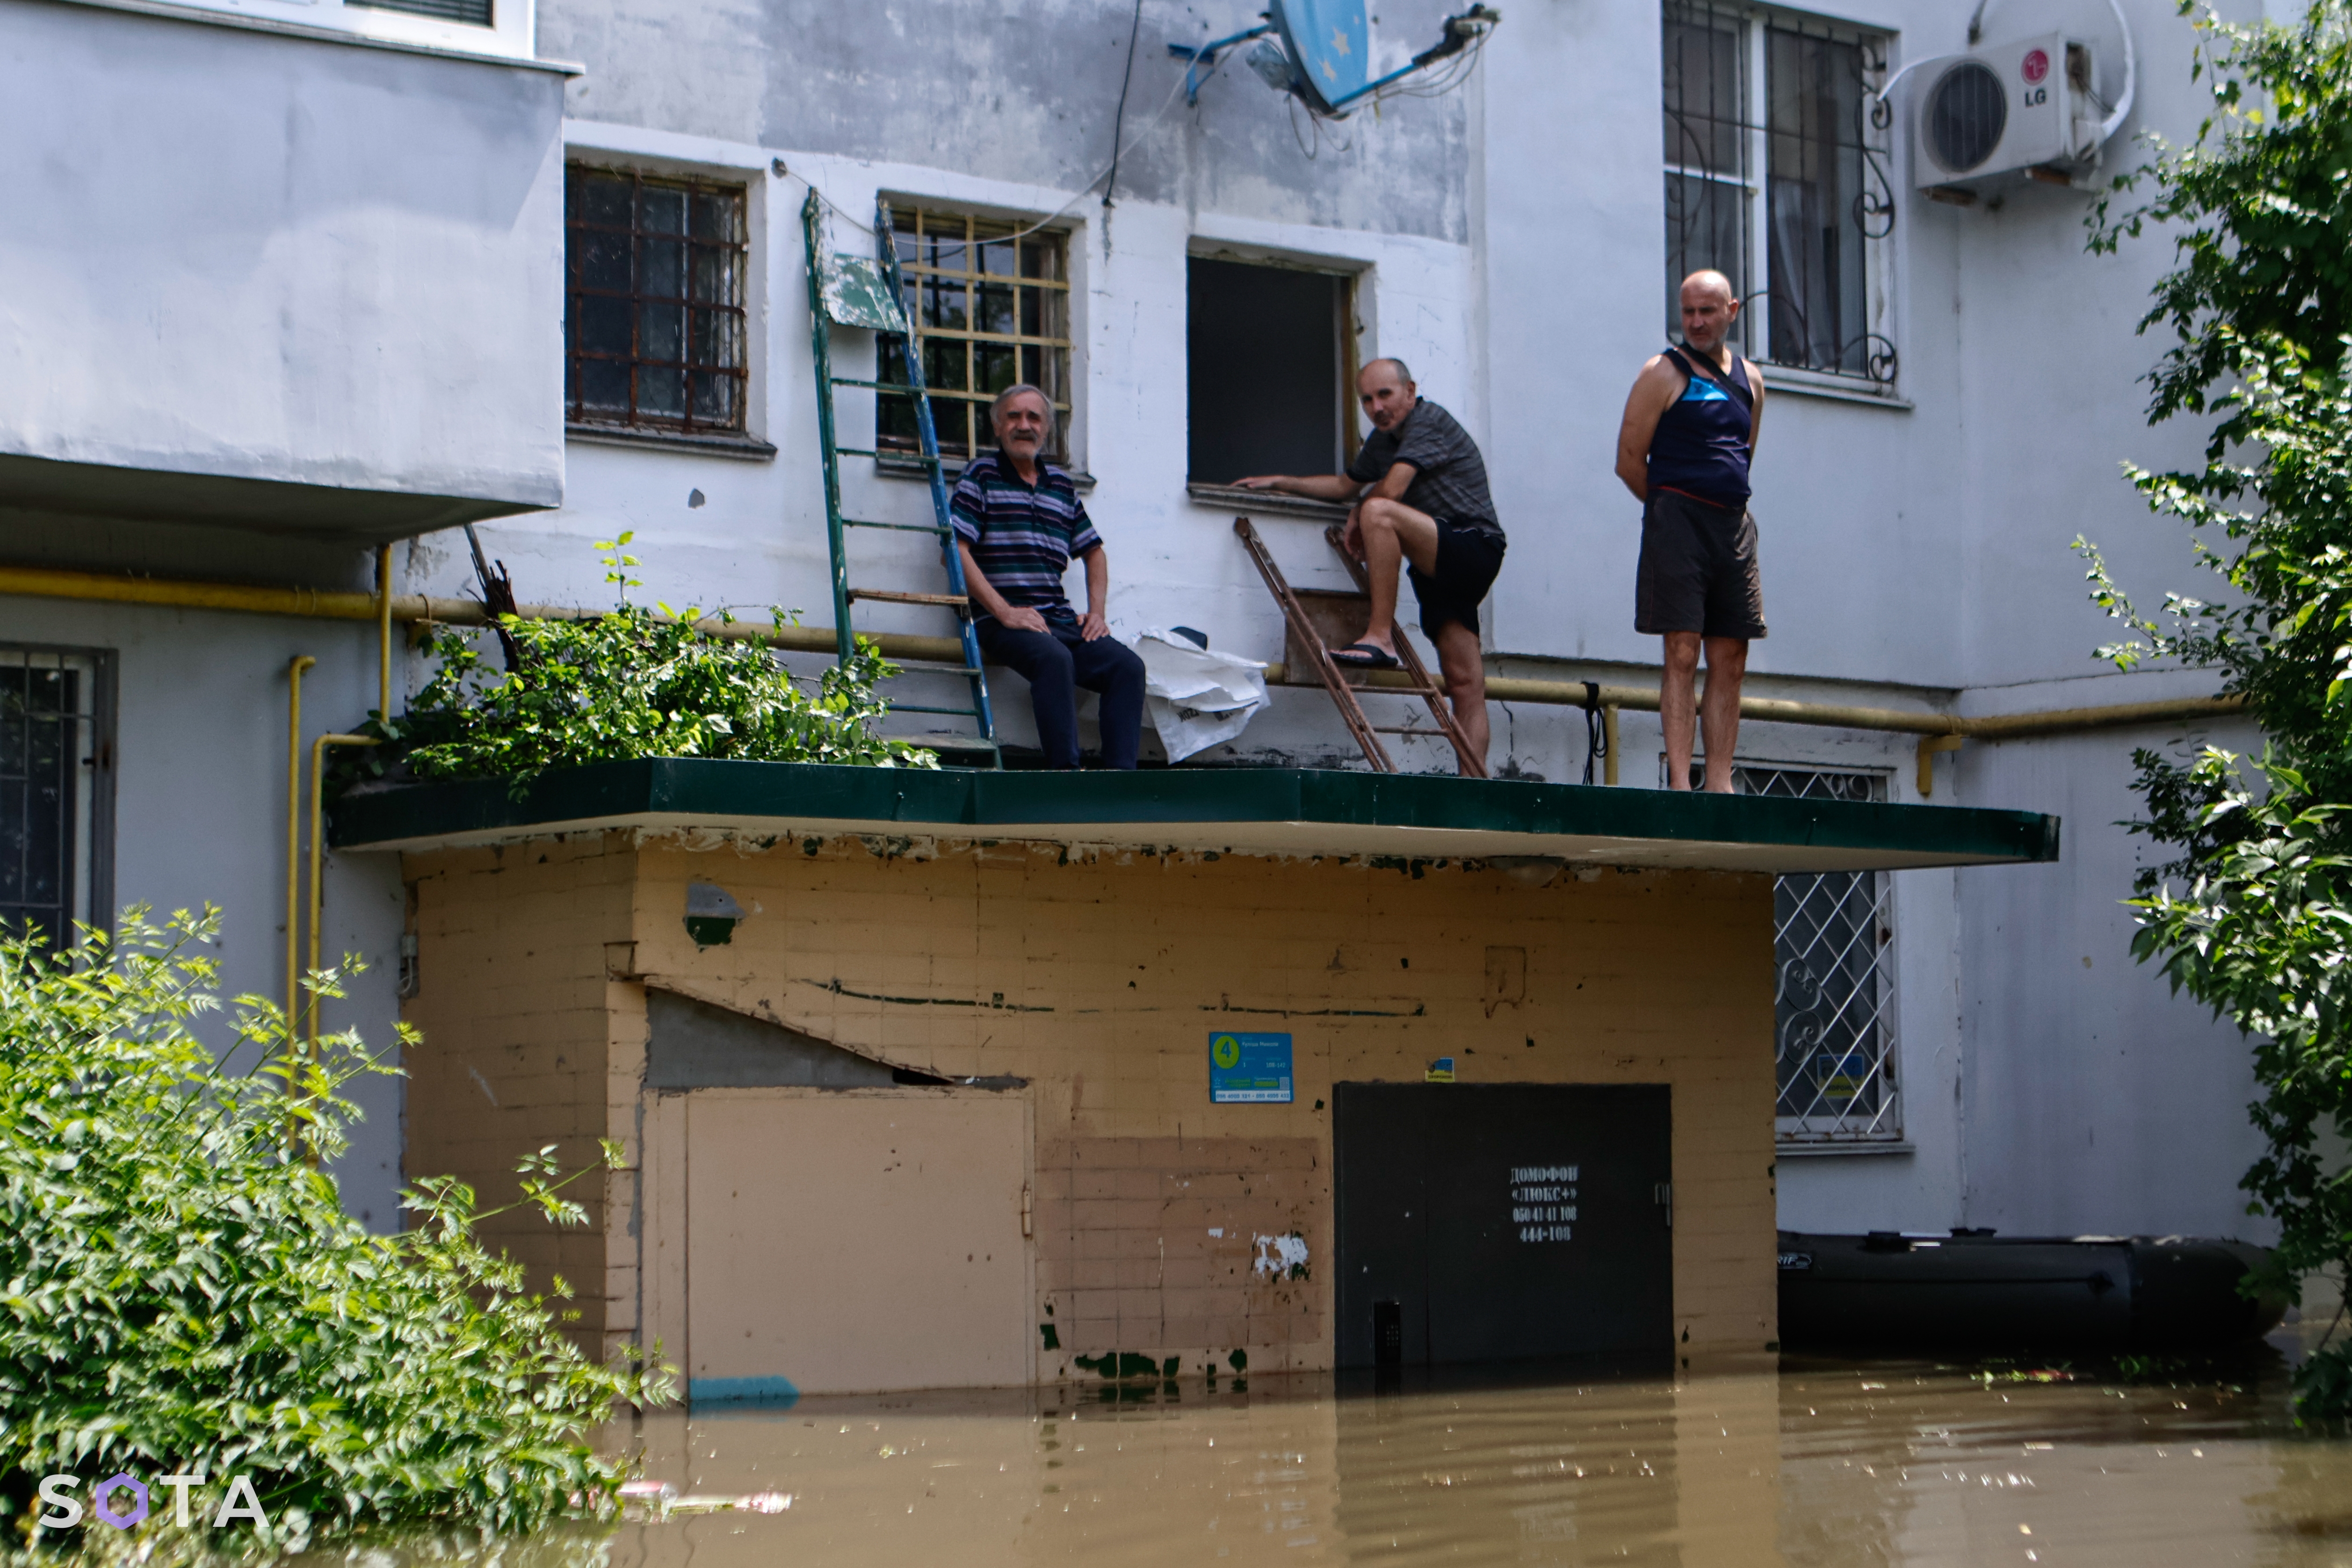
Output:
x,y
842,1241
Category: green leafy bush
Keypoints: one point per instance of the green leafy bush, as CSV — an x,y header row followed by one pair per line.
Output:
x,y
2249,909
634,682
181,1291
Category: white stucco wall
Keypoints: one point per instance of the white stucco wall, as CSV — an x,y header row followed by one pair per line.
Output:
x,y
232,253
1508,243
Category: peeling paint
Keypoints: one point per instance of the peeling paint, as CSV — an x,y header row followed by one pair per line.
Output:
x,y
1280,1256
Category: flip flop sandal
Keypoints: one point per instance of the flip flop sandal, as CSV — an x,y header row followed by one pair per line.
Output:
x,y
1364,656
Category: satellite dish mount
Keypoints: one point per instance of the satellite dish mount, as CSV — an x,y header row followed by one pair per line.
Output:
x,y
1320,51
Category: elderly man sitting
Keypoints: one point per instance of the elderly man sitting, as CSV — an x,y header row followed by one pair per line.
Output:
x,y
1018,522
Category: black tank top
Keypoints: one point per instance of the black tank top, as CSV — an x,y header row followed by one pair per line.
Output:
x,y
1701,446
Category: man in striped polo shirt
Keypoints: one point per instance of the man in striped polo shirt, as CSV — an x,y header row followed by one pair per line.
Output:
x,y
1018,522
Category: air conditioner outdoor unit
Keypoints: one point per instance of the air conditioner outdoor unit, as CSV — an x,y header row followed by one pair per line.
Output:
x,y
2004,113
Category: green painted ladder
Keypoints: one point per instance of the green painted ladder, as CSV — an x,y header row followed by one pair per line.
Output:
x,y
851,291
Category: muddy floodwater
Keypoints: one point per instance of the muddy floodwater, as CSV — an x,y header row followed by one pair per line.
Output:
x,y
1806,1464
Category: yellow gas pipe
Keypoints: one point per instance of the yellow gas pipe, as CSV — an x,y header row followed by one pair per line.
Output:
x,y
294,668
383,635
1937,731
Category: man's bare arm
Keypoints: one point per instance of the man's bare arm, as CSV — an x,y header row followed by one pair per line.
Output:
x,y
1756,414
1393,484
1655,390
1316,487
1014,617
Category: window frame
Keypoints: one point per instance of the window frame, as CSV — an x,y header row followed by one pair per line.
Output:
x,y
967,400
580,420
1348,277
1873,218
91,860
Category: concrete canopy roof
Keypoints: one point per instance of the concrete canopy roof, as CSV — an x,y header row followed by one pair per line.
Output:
x,y
1271,811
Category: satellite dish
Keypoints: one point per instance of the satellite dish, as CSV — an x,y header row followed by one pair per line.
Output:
x,y
1321,50
1332,42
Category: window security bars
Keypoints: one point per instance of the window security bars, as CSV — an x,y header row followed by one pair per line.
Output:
x,y
654,316
55,792
1775,175
1833,1011
475,12
990,310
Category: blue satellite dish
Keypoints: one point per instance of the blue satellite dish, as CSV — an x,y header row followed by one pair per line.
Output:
x,y
1330,41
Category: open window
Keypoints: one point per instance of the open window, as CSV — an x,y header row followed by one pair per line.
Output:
x,y
1269,353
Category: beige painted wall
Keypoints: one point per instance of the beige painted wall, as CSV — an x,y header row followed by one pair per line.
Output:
x,y
858,1240
1098,977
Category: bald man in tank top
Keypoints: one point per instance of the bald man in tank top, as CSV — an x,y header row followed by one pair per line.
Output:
x,y
1683,451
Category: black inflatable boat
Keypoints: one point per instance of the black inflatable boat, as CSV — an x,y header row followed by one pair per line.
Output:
x,y
1972,1290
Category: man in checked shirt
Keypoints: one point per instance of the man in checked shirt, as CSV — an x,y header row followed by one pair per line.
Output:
x,y
1019,523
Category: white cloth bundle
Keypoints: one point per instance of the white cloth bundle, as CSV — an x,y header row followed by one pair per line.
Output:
x,y
1197,699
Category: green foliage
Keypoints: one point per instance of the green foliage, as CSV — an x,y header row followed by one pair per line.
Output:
x,y
634,682
2249,908
181,1290
2258,206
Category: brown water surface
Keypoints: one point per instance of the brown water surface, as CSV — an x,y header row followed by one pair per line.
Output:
x,y
1813,1465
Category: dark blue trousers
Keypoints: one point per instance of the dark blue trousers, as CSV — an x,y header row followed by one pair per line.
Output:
x,y
1055,664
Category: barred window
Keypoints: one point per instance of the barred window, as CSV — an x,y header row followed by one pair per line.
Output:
x,y
476,13
991,307
653,313
1833,1003
1775,175
56,800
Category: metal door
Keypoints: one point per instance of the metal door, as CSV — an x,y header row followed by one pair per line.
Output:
x,y
1499,1221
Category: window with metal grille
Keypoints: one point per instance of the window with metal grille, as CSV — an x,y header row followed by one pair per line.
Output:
x,y
475,12
654,309
991,307
56,797
1776,155
1833,1002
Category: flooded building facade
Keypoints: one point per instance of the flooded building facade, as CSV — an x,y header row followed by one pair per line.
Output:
x,y
921,1083
339,314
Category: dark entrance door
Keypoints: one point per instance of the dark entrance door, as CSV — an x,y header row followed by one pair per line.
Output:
x,y
1495,1221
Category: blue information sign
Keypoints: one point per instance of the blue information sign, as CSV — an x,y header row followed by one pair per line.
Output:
x,y
1249,1068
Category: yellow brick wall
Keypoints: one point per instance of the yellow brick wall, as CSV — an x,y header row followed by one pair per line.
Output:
x,y
1098,977
516,1016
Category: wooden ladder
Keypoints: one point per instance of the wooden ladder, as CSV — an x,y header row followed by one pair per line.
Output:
x,y
1306,635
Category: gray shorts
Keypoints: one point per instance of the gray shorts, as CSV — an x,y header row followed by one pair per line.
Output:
x,y
1699,570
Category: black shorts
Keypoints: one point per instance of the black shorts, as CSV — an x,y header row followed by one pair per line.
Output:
x,y
1699,570
1468,562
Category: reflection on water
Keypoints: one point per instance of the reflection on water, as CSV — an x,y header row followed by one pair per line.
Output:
x,y
1808,1465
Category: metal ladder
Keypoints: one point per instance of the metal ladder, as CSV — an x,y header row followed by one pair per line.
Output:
x,y
851,291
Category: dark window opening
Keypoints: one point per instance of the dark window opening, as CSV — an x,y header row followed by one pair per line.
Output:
x,y
1266,357
476,13
56,792
653,307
